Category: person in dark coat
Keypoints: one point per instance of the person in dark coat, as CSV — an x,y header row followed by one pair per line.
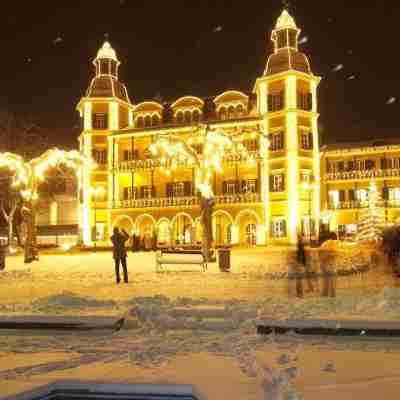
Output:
x,y
118,240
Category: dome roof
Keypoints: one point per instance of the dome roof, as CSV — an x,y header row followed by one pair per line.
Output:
x,y
285,21
107,51
107,86
285,60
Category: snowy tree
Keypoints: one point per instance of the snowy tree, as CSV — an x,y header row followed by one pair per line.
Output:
x,y
372,219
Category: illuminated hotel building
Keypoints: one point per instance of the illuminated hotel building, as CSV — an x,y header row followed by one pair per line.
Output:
x,y
268,196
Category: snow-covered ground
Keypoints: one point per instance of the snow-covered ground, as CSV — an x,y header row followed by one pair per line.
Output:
x,y
185,326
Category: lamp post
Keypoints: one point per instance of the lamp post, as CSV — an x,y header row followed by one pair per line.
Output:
x,y
309,187
97,192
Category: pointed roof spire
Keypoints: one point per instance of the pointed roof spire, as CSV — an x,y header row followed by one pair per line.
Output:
x,y
107,51
285,21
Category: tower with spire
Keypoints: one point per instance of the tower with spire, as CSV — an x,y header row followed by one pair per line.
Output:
x,y
105,108
287,104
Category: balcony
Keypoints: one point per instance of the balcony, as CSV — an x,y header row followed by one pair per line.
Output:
x,y
363,174
356,205
191,201
150,163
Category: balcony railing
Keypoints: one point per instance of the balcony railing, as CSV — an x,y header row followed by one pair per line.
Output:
x,y
190,201
151,163
362,174
349,205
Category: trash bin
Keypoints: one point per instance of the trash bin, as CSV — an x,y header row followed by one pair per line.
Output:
x,y
3,249
224,259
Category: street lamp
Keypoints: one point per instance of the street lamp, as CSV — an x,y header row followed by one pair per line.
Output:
x,y
309,187
97,192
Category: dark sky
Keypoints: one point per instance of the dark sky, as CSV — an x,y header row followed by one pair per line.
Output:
x,y
171,48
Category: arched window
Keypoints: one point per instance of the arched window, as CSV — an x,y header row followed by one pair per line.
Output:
x,y
222,113
196,116
139,122
240,110
231,112
179,117
147,121
188,117
155,120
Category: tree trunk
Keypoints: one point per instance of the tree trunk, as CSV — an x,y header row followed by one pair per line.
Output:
x,y
30,248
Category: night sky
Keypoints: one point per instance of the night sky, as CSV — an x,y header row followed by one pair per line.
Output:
x,y
171,49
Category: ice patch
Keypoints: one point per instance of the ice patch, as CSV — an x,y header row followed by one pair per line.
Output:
x,y
71,300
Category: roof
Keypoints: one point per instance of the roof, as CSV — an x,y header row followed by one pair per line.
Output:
x,y
285,21
285,60
107,86
361,144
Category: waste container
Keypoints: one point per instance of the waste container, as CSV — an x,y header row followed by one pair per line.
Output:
x,y
224,259
3,249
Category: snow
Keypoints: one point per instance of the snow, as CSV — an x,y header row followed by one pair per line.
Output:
x,y
189,327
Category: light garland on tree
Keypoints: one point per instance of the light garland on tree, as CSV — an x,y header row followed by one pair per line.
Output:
x,y
372,219
217,146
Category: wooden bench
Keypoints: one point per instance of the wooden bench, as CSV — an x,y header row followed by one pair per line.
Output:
x,y
162,258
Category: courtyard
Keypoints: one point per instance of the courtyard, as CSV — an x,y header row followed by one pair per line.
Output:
x,y
186,326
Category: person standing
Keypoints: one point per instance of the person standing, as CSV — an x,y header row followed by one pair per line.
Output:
x,y
118,240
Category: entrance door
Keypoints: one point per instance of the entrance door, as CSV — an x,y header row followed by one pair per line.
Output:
x,y
251,234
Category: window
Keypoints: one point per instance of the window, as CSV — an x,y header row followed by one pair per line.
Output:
x,y
304,101
394,193
333,196
282,38
139,122
362,195
306,226
276,141
178,189
251,144
229,187
179,117
292,38
100,121
277,183
278,227
188,117
251,234
147,192
223,113
128,193
147,121
231,112
239,110
306,140
276,101
196,116
100,156
305,176
249,186
390,163
155,120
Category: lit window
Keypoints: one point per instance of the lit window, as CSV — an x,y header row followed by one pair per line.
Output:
x,y
306,140
394,193
278,227
251,144
305,177
179,117
333,196
100,121
188,117
230,187
304,101
251,234
100,156
231,112
239,110
223,113
275,101
277,183
196,116
155,120
178,189
362,195
276,141
139,122
147,121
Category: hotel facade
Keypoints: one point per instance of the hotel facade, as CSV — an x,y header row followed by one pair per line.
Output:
x,y
285,185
